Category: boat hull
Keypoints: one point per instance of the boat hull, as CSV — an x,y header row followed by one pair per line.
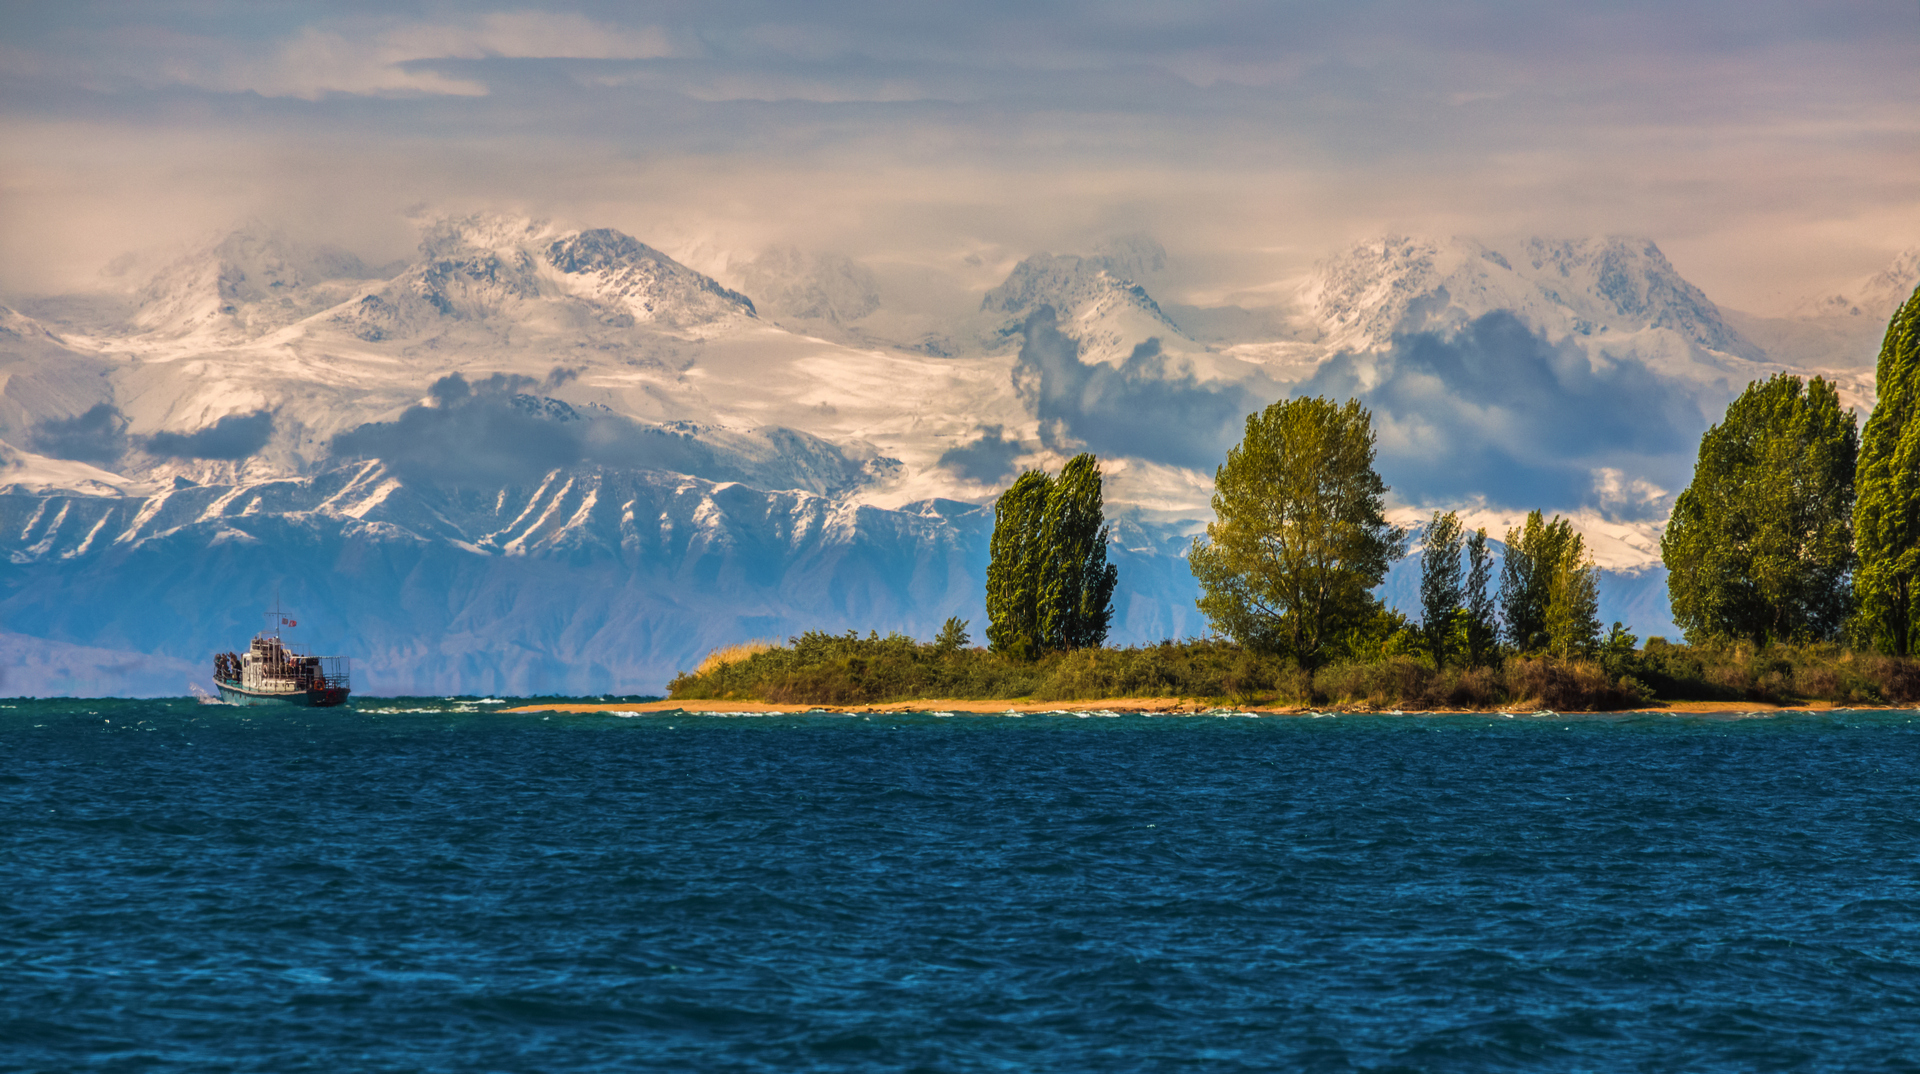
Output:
x,y
306,699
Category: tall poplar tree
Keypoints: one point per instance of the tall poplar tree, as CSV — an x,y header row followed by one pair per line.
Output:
x,y
1886,517
1534,551
1049,585
1761,543
1076,581
1441,590
1013,568
1573,602
1299,538
1480,609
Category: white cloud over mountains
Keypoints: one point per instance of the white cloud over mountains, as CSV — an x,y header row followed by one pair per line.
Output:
x,y
1770,149
385,57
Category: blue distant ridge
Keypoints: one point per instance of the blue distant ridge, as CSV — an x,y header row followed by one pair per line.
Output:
x,y
435,885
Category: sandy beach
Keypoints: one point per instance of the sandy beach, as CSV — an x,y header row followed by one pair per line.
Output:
x,y
1156,705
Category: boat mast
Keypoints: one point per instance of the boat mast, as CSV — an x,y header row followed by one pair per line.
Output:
x,y
278,614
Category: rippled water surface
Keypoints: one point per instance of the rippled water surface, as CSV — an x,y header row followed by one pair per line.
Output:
x,y
425,885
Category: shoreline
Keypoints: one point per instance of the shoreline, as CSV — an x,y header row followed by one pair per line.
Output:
x,y
1156,706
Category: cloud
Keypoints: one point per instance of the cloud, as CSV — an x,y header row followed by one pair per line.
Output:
x,y
398,59
1140,408
483,432
491,431
1766,150
986,460
98,436
235,436
1498,411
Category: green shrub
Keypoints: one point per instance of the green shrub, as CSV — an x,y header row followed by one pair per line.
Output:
x,y
846,669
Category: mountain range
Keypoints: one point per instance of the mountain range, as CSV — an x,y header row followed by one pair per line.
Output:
x,y
537,459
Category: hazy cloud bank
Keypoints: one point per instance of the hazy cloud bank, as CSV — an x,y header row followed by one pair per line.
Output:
x,y
1143,407
1765,146
1497,411
493,432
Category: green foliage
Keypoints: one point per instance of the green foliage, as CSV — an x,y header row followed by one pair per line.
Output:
x,y
1383,670
1076,581
1573,603
1545,559
1760,544
1887,515
1016,553
952,637
846,669
1299,538
1479,634
1442,587
1049,585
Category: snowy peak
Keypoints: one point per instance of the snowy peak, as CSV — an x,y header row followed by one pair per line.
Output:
x,y
1095,298
1874,298
616,269
1889,289
1620,282
1377,289
245,284
483,267
1067,282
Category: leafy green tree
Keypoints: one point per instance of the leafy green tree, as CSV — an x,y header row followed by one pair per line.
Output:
x,y
952,637
1077,582
1013,567
1299,537
1049,585
1481,636
1534,551
1442,591
1761,543
1886,518
1573,603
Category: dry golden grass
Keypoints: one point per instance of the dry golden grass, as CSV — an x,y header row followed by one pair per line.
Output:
x,y
733,654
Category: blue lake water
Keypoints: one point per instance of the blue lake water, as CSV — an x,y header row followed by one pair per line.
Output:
x,y
428,885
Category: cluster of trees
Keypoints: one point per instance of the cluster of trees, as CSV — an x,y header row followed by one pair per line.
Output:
x,y
1548,602
1049,585
1796,526
1300,540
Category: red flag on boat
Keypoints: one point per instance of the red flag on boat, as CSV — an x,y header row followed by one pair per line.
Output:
x,y
288,622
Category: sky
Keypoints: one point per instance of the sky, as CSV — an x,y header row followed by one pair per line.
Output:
x,y
1769,147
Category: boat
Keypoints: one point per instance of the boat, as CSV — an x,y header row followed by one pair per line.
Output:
x,y
274,672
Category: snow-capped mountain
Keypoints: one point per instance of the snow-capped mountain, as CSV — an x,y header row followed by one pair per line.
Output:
x,y
246,283
1874,298
1842,331
1594,287
486,268
578,462
1095,299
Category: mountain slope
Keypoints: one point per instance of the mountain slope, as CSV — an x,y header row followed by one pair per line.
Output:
x,y
1842,331
1095,300
249,282
591,581
1593,287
